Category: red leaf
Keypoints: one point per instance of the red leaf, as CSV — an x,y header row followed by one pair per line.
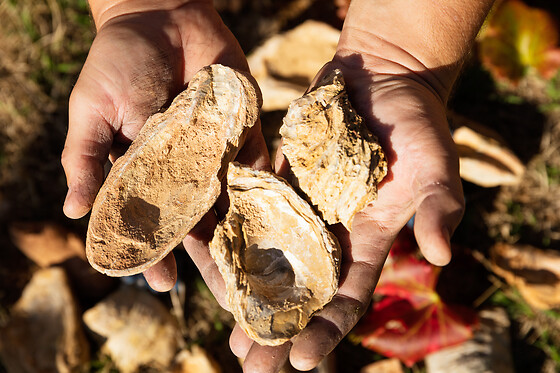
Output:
x,y
404,244
518,38
396,328
412,320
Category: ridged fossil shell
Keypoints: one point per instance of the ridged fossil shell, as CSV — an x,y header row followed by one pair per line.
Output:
x,y
171,174
279,262
335,159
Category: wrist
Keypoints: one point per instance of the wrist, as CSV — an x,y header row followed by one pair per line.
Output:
x,y
407,37
104,10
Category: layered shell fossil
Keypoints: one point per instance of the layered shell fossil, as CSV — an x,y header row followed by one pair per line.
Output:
x,y
335,159
171,174
279,262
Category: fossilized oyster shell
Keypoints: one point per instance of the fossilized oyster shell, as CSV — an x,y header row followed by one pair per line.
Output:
x,y
336,160
279,262
171,174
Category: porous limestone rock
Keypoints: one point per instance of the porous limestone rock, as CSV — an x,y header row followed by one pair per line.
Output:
x,y
279,262
171,174
336,160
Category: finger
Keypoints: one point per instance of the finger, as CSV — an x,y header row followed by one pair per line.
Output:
x,y
266,359
437,216
365,250
254,152
331,324
87,146
196,244
239,343
281,164
162,275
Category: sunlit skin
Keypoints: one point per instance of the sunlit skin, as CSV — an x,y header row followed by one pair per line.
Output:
x,y
399,67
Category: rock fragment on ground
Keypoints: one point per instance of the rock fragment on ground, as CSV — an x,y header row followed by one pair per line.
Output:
x,y
171,174
279,262
47,244
335,159
136,330
44,332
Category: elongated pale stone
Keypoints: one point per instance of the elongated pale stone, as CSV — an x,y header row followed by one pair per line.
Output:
x,y
335,159
279,262
171,174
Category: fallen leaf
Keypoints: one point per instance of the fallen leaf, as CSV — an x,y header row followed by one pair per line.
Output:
x,y
485,161
46,243
404,244
534,272
412,321
518,38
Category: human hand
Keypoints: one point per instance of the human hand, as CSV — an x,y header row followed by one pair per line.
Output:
x,y
403,103
140,60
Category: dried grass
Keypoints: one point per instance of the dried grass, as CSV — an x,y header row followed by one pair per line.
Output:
x,y
530,212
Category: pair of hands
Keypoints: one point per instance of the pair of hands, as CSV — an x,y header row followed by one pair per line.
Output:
x,y
140,60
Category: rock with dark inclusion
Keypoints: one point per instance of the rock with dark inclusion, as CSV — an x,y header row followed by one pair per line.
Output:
x,y
335,159
279,262
171,174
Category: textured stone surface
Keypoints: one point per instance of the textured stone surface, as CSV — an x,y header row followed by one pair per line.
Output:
x,y
171,174
137,330
44,332
336,160
279,262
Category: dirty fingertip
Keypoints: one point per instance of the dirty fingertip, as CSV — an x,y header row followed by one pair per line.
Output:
x,y
75,206
162,275
239,343
266,359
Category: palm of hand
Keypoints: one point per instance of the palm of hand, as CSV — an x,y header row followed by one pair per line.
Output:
x,y
137,64
409,119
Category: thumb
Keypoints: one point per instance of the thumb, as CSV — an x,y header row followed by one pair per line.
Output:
x,y
437,216
87,147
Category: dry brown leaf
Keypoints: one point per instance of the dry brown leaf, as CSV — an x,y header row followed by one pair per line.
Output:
x,y
484,158
534,272
46,243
